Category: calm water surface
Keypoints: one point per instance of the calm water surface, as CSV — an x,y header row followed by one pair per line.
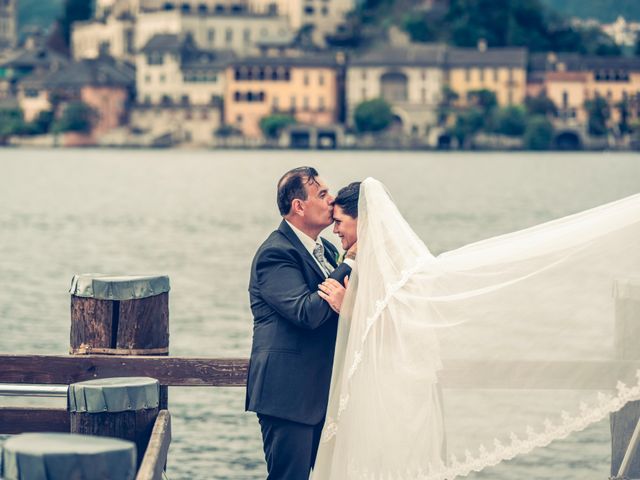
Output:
x,y
199,217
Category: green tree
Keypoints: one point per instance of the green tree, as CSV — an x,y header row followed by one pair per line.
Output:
x,y
483,99
539,133
416,24
76,117
11,122
511,121
623,109
468,123
373,115
272,125
540,105
41,124
599,113
447,102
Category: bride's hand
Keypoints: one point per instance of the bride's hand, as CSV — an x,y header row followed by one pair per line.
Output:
x,y
333,292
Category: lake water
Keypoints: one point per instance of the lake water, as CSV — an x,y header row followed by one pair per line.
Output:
x,y
198,216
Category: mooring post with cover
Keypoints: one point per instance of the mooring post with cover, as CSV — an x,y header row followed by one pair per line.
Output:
x,y
120,315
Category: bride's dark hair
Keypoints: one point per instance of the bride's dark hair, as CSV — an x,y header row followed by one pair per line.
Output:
x,y
347,199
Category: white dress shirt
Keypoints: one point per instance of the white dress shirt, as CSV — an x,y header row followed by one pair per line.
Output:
x,y
309,244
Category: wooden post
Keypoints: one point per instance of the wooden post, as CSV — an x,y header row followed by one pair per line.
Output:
x,y
124,408
120,315
627,342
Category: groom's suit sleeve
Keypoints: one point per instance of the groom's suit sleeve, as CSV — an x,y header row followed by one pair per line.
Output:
x,y
283,286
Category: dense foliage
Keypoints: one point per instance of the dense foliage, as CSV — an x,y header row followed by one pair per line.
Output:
x,y
272,125
373,115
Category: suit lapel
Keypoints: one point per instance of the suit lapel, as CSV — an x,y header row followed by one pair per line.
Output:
x,y
295,241
330,252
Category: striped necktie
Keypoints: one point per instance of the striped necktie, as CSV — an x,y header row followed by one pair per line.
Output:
x,y
318,253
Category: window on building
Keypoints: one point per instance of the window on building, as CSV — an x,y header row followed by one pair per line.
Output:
x,y
166,100
321,79
309,10
467,74
423,75
187,135
275,102
321,105
325,11
236,96
204,115
147,99
155,58
147,79
128,41
495,74
162,78
228,36
239,118
184,100
305,103
292,102
247,36
287,74
423,95
211,35
363,75
185,7
219,8
306,78
202,9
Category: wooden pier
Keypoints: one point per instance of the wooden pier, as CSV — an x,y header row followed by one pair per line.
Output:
x,y
96,327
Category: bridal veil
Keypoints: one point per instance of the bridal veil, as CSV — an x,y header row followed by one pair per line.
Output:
x,y
446,365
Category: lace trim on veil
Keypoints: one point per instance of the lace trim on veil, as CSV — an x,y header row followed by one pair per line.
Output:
x,y
605,405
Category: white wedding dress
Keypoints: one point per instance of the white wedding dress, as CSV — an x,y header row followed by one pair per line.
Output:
x,y
446,365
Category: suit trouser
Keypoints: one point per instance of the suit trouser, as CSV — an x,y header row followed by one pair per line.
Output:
x,y
289,447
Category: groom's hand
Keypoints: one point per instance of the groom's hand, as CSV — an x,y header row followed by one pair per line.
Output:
x,y
333,292
352,252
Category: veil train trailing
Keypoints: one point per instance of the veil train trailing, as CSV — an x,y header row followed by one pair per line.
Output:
x,y
446,365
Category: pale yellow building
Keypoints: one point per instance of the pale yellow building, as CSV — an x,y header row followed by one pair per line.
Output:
x,y
303,87
500,70
570,80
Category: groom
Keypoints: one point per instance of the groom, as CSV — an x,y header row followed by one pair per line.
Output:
x,y
294,330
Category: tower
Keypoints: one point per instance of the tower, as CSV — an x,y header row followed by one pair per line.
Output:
x,y
8,23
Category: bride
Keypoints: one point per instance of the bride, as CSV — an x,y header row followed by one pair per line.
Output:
x,y
448,364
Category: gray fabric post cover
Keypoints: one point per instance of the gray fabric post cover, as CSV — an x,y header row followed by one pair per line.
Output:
x,y
64,456
114,395
114,287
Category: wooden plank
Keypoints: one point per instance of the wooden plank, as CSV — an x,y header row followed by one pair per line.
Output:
x,y
23,420
173,371
232,372
144,323
155,457
91,323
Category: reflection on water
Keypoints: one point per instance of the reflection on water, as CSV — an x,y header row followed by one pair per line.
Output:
x,y
199,217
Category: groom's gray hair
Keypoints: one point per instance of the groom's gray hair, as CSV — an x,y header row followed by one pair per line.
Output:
x,y
292,186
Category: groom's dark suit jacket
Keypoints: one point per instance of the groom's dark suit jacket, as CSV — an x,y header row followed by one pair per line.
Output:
x,y
294,330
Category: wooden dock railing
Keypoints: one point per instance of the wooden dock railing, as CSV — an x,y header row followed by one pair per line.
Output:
x,y
108,327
